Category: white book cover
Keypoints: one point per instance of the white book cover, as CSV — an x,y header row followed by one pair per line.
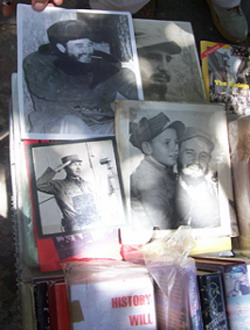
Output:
x,y
72,66
114,304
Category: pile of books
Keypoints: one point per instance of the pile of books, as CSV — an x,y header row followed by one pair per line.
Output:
x,y
120,139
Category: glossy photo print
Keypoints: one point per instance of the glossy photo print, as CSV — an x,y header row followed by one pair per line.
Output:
x,y
168,60
72,66
76,187
175,165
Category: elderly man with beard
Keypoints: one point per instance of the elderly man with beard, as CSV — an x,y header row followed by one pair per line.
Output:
x,y
196,196
72,84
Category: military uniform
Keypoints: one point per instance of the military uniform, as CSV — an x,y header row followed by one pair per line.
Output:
x,y
71,97
74,198
198,205
152,192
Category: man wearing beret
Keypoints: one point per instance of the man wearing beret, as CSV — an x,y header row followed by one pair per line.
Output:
x,y
73,85
153,182
196,197
73,195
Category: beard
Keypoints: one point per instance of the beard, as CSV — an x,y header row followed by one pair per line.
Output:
x,y
193,174
155,92
194,171
155,88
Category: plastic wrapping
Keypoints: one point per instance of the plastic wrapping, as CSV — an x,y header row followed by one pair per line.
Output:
x,y
176,288
239,132
106,294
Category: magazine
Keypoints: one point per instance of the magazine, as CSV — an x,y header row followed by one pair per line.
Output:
x,y
226,76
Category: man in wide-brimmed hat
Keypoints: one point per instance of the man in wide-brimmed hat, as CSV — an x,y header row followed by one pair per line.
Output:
x,y
73,195
153,181
73,84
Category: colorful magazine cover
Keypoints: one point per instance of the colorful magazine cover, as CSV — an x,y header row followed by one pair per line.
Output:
x,y
225,71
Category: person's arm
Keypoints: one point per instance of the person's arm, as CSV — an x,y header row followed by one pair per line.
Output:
x,y
127,84
45,183
45,81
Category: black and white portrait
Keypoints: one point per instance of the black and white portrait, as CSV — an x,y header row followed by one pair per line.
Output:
x,y
168,59
76,187
73,65
175,163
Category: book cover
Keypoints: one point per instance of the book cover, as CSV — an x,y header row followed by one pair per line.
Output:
x,y
168,61
72,66
27,305
212,300
177,297
107,301
59,318
225,70
162,189
236,288
41,305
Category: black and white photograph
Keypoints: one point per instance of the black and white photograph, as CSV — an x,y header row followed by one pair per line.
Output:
x,y
72,66
169,62
76,187
175,166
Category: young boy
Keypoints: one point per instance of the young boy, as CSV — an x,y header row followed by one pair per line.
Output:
x,y
153,182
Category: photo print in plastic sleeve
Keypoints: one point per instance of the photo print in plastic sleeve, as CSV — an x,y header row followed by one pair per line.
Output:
x,y
72,66
175,166
76,187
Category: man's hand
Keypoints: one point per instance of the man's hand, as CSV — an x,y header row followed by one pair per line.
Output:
x,y
62,166
40,5
8,6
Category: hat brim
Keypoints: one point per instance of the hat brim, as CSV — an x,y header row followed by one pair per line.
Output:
x,y
169,47
178,126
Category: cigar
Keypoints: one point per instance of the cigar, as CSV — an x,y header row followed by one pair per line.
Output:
x,y
93,56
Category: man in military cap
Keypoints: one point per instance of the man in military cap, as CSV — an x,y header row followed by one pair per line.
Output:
x,y
73,85
153,181
73,195
156,52
196,196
